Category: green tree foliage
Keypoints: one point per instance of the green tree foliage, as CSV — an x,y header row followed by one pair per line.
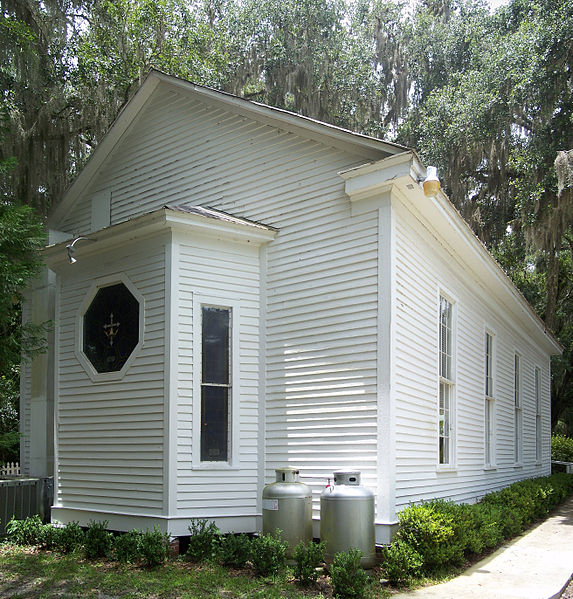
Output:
x,y
486,96
343,63
44,119
493,107
21,235
69,66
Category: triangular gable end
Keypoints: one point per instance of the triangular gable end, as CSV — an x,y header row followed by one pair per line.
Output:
x,y
367,148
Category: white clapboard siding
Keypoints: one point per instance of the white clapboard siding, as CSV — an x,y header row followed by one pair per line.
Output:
x,y
224,273
309,302
320,293
111,435
424,269
321,335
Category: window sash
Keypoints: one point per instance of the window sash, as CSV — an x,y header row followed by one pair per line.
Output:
x,y
488,365
537,383
446,385
489,412
445,338
517,409
446,390
215,383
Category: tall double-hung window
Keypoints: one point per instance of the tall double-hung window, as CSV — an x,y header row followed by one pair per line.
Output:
x,y
446,400
489,441
215,383
518,424
537,384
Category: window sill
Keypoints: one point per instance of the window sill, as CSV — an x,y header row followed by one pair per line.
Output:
x,y
518,466
215,466
490,468
446,468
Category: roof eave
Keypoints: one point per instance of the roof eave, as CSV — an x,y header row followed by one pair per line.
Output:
x,y
403,173
153,223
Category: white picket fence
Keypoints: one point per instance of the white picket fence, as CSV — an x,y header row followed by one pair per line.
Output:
x,y
10,469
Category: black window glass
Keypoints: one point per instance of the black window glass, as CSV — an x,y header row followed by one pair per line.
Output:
x,y
215,383
111,328
216,345
214,423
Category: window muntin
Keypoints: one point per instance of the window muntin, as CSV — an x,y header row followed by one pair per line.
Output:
x,y
489,411
517,409
111,328
445,338
446,391
537,388
445,425
215,383
489,365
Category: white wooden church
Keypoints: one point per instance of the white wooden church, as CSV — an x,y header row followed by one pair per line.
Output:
x,y
236,288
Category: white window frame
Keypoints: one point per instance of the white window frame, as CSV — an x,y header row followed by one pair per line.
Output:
x,y
235,377
538,416
116,375
517,409
447,385
489,405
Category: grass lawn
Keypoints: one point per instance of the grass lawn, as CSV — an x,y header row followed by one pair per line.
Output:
x,y
26,572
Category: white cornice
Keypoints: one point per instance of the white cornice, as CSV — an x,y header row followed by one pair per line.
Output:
x,y
401,175
164,219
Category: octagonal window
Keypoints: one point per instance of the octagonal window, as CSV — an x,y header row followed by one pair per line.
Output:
x,y
111,328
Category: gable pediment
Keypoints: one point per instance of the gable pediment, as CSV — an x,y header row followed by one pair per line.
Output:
x,y
171,127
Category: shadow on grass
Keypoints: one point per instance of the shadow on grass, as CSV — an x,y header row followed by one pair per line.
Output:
x,y
29,573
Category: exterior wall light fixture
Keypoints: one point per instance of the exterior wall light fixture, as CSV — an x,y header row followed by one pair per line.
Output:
x,y
431,183
70,247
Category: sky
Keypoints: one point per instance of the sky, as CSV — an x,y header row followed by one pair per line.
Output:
x,y
497,3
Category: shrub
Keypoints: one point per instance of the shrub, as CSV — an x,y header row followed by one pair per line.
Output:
x,y
561,448
308,557
268,554
205,537
518,509
25,532
154,547
127,547
67,539
234,551
430,533
401,562
442,532
490,523
97,540
348,578
461,520
49,536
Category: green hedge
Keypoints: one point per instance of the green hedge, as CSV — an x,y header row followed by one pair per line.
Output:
x,y
442,535
561,448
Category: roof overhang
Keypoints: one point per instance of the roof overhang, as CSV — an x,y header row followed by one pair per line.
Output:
x,y
189,220
401,175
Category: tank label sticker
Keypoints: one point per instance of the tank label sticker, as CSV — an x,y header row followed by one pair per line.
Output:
x,y
271,504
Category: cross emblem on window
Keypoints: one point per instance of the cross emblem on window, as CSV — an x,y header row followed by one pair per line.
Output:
x,y
110,329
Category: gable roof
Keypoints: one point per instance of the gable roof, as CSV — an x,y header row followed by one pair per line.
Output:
x,y
360,144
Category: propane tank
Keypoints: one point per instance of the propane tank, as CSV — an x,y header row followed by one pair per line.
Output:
x,y
287,506
347,517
